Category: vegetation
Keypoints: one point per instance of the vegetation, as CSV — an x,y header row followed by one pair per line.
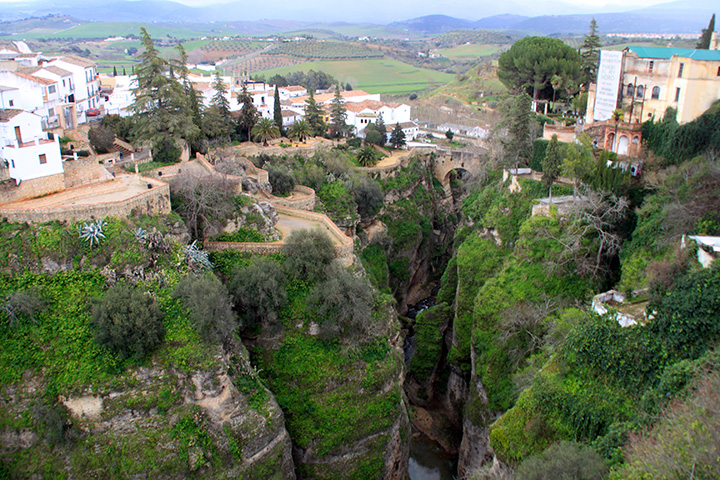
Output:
x,y
209,304
309,254
127,322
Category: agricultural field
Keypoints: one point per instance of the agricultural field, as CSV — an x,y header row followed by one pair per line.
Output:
x,y
207,51
123,29
261,63
324,50
382,75
471,51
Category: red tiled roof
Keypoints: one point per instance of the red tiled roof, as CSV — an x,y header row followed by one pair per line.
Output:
x,y
33,78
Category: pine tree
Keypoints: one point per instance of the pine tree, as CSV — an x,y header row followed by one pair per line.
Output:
x,y
590,52
162,114
249,114
277,110
338,115
397,137
313,115
552,163
380,127
704,42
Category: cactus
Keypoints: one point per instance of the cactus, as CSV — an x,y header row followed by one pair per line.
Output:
x,y
92,232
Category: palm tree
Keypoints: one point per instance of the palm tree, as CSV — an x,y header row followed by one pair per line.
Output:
x,y
556,81
300,130
265,130
367,157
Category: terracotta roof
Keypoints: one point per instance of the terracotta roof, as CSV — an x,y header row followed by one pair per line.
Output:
x,y
57,70
369,104
325,97
289,113
294,88
33,78
390,127
79,61
8,113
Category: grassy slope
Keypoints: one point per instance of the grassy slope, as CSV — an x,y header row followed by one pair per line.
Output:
x,y
374,76
468,52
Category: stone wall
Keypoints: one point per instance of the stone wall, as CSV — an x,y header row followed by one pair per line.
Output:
x,y
343,252
84,171
249,149
155,201
304,200
37,187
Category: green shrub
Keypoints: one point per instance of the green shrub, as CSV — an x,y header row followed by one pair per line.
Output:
x,y
564,460
281,179
429,339
259,291
309,254
127,322
209,304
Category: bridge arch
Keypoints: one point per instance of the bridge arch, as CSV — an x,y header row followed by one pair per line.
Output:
x,y
447,161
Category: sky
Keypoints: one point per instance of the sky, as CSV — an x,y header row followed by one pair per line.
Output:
x,y
384,11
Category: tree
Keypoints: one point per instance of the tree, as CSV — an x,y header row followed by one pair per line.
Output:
x,y
373,137
531,62
259,292
127,321
706,36
22,304
552,164
617,117
368,196
101,138
518,144
367,156
449,134
281,179
265,130
338,115
397,137
556,81
209,303
203,202
249,114
124,72
564,460
277,110
578,161
590,53
313,115
309,254
343,306
219,98
300,130
162,113
381,129
114,71
348,87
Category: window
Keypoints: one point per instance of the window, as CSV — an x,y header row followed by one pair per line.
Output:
x,y
11,103
677,94
51,89
680,70
43,159
630,90
718,72
640,91
656,93
63,82
652,66
12,162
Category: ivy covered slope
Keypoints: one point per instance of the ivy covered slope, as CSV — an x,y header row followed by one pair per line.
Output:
x,y
326,344
79,401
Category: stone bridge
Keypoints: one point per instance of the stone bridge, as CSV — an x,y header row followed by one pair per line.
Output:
x,y
447,160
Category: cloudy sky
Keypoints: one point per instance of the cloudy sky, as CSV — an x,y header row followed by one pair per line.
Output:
x,y
384,11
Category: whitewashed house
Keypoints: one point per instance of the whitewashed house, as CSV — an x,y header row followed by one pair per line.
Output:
x,y
36,95
85,81
25,148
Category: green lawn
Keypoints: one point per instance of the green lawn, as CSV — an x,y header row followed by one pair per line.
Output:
x,y
382,75
465,52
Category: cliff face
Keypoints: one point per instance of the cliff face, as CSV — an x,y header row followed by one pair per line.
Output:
x,y
214,422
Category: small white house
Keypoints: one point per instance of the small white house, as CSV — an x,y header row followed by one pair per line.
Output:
x,y
25,149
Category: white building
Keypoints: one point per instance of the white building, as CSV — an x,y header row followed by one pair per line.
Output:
x,y
292,91
117,94
86,82
360,114
36,94
25,149
410,129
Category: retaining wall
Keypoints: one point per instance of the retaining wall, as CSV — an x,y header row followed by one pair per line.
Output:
x,y
84,171
305,201
343,252
155,201
37,187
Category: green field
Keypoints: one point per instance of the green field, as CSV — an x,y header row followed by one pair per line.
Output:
x,y
374,76
121,29
468,52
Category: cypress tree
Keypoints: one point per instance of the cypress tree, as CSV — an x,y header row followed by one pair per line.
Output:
x,y
704,42
114,71
124,73
552,163
338,115
519,144
248,115
277,110
590,52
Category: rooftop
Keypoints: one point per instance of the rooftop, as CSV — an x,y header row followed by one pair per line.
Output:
x,y
33,78
668,53
8,113
79,61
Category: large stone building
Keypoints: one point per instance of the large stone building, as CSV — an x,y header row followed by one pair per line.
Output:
x,y
651,79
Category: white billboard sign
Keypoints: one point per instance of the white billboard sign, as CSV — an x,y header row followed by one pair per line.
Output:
x,y
608,83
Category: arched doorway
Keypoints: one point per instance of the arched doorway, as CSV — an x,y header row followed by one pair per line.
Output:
x,y
623,143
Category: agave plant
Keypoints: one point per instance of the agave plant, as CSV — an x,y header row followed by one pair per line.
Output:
x,y
140,234
197,258
92,232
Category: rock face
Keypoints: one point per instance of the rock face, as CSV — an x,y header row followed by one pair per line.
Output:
x,y
260,216
163,423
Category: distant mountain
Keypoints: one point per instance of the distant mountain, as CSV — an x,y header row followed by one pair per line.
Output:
x,y
649,22
433,24
505,21
46,23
